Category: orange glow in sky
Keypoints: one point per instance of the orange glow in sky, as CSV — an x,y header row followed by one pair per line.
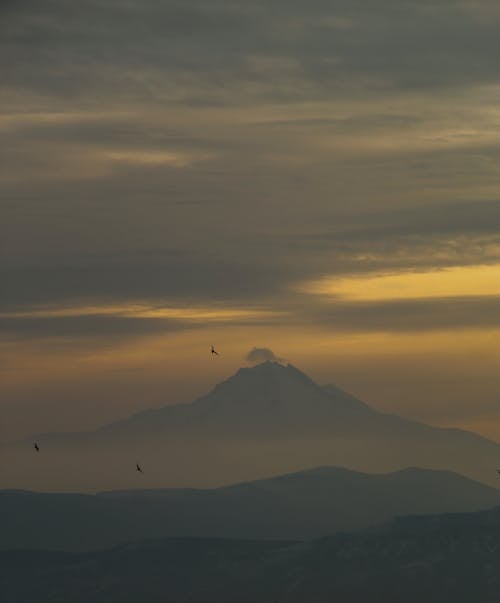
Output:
x,y
450,282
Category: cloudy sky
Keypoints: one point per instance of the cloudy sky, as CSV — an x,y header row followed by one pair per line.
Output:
x,y
319,178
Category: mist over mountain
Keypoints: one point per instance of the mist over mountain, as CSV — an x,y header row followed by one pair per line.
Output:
x,y
413,559
263,421
302,505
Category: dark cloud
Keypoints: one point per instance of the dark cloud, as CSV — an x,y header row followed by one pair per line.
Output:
x,y
93,326
407,316
413,237
99,47
249,270
258,355
238,221
466,217
175,278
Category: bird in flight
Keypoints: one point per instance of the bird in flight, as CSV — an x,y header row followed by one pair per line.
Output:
x,y
213,351
36,447
138,468
498,471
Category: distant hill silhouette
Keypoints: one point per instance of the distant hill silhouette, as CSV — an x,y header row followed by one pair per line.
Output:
x,y
297,506
265,420
434,559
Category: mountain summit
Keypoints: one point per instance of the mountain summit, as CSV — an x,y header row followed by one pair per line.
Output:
x,y
275,381
267,399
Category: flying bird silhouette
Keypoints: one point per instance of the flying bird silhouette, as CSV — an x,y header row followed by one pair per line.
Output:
x,y
213,351
138,468
35,446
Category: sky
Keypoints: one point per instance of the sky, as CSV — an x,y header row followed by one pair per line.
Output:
x,y
316,178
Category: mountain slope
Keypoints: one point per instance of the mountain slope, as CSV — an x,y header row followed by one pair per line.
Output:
x,y
297,506
434,559
268,399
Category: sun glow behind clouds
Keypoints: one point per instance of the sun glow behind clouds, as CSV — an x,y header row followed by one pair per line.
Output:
x,y
145,310
154,158
459,281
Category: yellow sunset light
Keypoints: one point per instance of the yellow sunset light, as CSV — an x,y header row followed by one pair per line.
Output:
x,y
460,281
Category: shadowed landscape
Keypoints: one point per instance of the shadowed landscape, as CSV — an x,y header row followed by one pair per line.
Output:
x,y
437,558
303,505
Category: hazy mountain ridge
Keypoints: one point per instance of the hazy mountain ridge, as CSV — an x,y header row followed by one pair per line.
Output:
x,y
413,559
254,401
269,397
266,420
302,505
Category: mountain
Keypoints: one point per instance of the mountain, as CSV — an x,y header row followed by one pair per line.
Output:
x,y
302,505
413,559
262,421
266,400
